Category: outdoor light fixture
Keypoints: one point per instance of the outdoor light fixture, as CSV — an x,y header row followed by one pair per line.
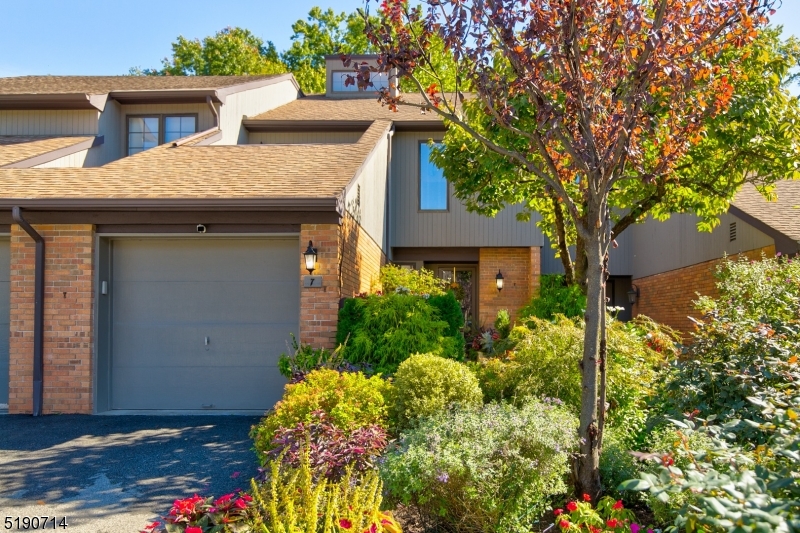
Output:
x,y
310,256
633,294
499,280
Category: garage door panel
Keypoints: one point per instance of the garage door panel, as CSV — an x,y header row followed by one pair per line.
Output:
x,y
232,302
169,295
189,260
198,388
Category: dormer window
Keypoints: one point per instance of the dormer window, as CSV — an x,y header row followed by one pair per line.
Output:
x,y
145,132
380,81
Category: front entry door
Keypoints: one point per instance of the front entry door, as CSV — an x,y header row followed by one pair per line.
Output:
x,y
462,280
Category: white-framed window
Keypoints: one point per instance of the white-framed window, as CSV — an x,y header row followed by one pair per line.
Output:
x,y
380,80
148,131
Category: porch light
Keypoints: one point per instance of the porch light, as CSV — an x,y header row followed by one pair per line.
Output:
x,y
633,294
499,280
310,256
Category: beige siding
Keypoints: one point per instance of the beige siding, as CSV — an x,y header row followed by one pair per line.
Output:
x,y
412,228
250,103
112,130
48,122
78,159
304,137
676,243
366,197
205,119
619,258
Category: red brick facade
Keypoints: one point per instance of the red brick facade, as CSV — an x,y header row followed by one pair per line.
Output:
x,y
68,315
521,268
667,297
349,262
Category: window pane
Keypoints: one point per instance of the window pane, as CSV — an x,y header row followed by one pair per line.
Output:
x,y
135,140
380,80
187,125
142,133
151,125
172,124
135,124
432,184
178,127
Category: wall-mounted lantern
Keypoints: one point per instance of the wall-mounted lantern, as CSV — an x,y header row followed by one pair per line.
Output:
x,y
633,294
310,255
499,280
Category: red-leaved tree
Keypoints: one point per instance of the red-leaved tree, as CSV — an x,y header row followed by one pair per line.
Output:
x,y
590,103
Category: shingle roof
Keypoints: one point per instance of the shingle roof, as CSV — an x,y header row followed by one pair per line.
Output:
x,y
782,215
323,108
15,148
29,85
203,172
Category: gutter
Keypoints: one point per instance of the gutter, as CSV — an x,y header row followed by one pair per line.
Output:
x,y
38,312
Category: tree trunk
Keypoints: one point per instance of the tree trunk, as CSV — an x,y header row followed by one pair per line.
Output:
x,y
581,264
586,468
561,235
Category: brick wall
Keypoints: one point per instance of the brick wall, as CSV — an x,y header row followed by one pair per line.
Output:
x,y
319,306
667,297
521,268
68,318
362,259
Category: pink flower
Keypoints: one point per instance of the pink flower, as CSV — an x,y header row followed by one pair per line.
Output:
x,y
572,507
222,500
558,512
635,528
240,504
345,523
234,475
194,529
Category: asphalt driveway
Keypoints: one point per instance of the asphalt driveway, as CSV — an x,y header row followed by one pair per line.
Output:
x,y
117,473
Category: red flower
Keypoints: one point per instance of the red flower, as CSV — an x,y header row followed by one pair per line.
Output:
x,y
152,526
593,529
240,504
194,529
572,507
345,523
587,498
667,460
564,524
247,497
371,529
612,523
617,506
222,500
558,512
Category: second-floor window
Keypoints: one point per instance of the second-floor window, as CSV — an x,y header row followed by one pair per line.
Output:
x,y
146,132
433,190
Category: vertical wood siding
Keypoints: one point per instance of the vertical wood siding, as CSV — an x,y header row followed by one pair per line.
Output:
x,y
48,122
305,137
250,103
619,258
205,119
412,228
78,159
366,198
111,128
676,243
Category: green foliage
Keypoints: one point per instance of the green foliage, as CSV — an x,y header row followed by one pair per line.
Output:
x,y
231,51
728,488
426,384
293,501
609,515
486,469
350,316
555,298
743,348
449,311
304,359
398,279
392,328
502,323
350,399
545,363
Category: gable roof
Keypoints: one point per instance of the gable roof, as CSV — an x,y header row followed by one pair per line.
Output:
x,y
782,216
86,92
320,111
28,150
247,174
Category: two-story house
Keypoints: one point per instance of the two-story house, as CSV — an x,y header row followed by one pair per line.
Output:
x,y
172,216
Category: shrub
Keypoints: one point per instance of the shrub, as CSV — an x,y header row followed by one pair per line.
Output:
x,y
485,469
304,359
351,400
292,501
741,348
426,384
417,282
331,450
393,327
231,512
555,298
350,316
449,311
546,363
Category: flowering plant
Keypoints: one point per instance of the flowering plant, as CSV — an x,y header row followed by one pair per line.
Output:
x,y
231,512
609,515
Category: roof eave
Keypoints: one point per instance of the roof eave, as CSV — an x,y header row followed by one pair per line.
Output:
x,y
53,101
174,204
785,244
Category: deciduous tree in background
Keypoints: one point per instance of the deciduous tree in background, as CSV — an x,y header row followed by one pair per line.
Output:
x,y
590,104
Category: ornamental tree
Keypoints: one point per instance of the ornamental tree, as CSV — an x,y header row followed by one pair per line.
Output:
x,y
588,104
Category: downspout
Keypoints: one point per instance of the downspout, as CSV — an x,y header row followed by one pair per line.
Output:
x,y
38,311
388,230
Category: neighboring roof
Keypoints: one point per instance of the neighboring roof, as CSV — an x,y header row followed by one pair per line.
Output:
x,y
252,175
24,150
321,110
87,92
783,215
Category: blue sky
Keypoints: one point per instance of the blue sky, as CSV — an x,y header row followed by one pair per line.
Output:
x,y
109,37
